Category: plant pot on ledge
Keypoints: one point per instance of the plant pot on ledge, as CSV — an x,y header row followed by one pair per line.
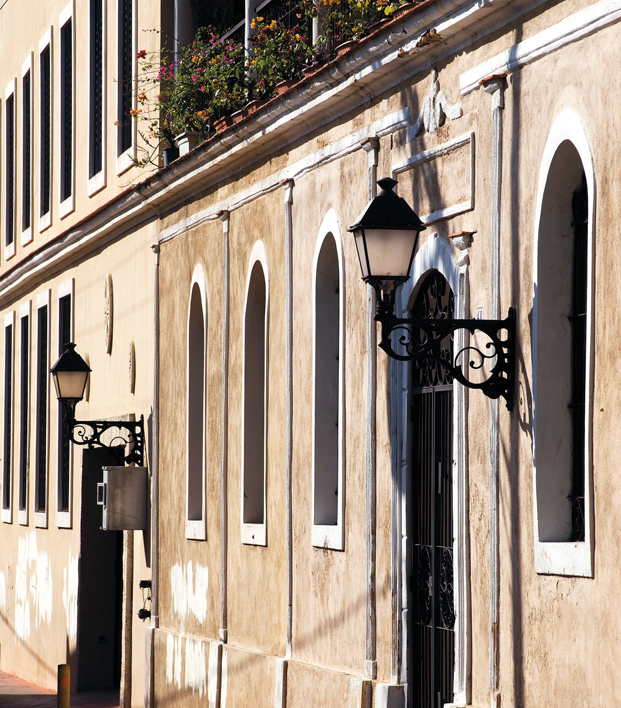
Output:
x,y
188,141
345,47
285,85
170,154
222,123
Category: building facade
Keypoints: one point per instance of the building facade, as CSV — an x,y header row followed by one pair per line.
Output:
x,y
326,523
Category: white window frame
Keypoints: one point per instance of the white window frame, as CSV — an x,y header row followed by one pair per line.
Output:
x,y
197,528
331,536
45,220
256,534
44,299
27,234
7,514
64,518
126,159
24,313
567,557
9,249
67,206
98,181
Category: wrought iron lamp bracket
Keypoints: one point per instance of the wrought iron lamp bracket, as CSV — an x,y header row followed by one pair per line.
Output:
x,y
419,340
90,432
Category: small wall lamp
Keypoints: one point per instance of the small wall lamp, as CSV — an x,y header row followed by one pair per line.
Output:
x,y
70,374
386,235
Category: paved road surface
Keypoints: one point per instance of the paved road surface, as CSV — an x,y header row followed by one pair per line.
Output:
x,y
17,693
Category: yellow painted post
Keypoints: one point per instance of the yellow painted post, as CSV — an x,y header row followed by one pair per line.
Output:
x,y
64,681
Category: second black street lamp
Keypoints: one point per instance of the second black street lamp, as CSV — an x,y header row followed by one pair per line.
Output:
x,y
386,235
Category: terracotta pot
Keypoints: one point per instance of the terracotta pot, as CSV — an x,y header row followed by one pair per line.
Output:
x,y
254,106
345,47
402,10
239,115
285,85
222,123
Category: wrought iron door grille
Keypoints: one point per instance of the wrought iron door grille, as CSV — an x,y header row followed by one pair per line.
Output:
x,y
432,631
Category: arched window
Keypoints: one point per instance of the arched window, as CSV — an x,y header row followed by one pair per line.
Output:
x,y
255,401
197,329
562,352
328,417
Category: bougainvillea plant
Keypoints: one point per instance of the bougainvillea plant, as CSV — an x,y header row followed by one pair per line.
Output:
x,y
213,77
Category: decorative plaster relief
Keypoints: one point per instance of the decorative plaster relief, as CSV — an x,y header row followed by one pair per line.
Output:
x,y
436,108
70,595
108,312
442,179
189,590
33,586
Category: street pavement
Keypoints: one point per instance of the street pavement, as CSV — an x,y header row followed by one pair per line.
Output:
x,y
17,693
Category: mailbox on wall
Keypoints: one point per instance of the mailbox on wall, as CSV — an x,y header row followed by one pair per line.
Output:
x,y
123,498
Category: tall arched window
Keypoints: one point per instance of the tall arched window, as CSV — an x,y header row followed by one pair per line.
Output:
x,y
562,352
328,416
255,401
195,524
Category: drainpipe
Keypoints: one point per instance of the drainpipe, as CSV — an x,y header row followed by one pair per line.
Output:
x,y
288,187
371,146
495,86
224,518
150,639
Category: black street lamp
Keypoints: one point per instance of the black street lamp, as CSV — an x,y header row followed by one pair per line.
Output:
x,y
386,235
70,374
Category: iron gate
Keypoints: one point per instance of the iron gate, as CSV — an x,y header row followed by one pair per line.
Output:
x,y
432,644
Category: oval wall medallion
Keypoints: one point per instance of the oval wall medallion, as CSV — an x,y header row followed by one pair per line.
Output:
x,y
132,368
108,307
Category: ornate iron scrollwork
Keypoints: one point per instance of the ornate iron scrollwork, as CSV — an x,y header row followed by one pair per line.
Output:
x,y
424,583
130,435
428,342
447,608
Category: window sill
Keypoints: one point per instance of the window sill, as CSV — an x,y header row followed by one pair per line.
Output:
x,y
45,221
7,516
125,161
564,558
26,236
67,207
22,517
328,537
9,250
95,184
254,534
40,519
195,530
63,519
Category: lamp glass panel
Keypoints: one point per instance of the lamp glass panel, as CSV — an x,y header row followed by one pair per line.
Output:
x,y
364,266
70,384
390,251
